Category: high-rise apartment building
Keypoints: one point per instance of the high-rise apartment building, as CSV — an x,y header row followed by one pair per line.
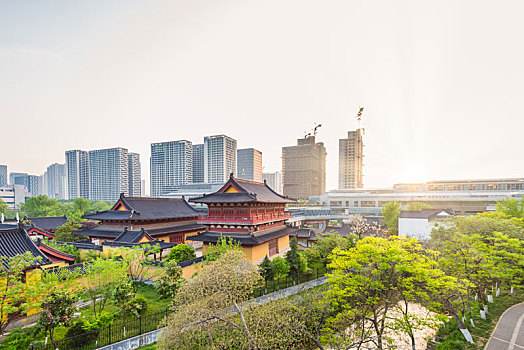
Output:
x,y
171,166
55,181
77,164
304,168
36,185
220,158
108,174
198,163
249,164
3,175
351,152
135,185
274,181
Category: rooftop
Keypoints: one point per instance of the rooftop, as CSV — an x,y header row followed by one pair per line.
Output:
x,y
15,241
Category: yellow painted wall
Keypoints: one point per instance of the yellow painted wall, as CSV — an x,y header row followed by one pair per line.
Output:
x,y
257,252
283,242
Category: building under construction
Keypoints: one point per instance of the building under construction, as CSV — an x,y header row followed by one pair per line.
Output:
x,y
304,168
350,152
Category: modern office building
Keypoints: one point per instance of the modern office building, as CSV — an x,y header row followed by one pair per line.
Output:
x,y
198,163
464,197
249,164
108,174
55,181
77,164
220,158
19,179
350,156
274,181
135,175
143,189
3,176
171,166
304,168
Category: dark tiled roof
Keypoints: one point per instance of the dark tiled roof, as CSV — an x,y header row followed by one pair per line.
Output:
x,y
304,233
249,191
161,244
83,245
15,241
110,215
175,229
8,226
129,236
147,208
65,271
47,250
244,238
425,213
343,231
38,230
48,223
103,231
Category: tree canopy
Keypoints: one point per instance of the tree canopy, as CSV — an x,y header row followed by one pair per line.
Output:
x,y
390,214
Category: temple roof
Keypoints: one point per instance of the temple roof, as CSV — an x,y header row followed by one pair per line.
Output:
x,y
146,208
128,236
244,238
243,191
107,231
50,251
48,223
15,241
32,228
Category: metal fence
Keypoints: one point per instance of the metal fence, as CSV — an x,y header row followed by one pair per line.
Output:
x,y
107,335
289,281
143,324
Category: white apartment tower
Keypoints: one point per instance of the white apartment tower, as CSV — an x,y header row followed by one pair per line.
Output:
x,y
171,166
198,163
108,174
274,181
220,158
55,181
77,164
134,171
351,153
249,164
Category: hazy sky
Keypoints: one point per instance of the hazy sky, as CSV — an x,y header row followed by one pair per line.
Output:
x,y
442,82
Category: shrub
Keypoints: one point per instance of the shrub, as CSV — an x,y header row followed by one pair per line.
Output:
x,y
181,252
18,339
80,330
137,306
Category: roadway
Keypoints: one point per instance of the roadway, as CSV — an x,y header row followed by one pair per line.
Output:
x,y
509,332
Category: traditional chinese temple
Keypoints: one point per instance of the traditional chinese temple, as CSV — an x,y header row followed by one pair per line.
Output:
x,y
249,213
171,220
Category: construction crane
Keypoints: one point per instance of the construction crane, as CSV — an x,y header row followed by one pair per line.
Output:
x,y
313,131
359,116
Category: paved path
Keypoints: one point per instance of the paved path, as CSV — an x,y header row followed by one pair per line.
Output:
x,y
509,332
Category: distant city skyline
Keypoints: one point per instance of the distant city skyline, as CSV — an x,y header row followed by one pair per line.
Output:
x,y
440,81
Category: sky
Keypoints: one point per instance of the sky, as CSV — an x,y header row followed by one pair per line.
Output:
x,y
441,82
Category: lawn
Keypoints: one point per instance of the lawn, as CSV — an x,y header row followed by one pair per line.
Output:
x,y
449,336
155,305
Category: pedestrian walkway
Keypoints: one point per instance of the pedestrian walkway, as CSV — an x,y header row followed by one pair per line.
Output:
x,y
509,332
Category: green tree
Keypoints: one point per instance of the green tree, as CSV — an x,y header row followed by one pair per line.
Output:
x,y
15,296
57,310
280,266
168,285
139,263
42,206
382,272
121,295
74,221
223,245
64,248
318,256
390,214
82,205
512,207
293,258
266,269
199,305
417,206
4,209
97,207
181,252
102,277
